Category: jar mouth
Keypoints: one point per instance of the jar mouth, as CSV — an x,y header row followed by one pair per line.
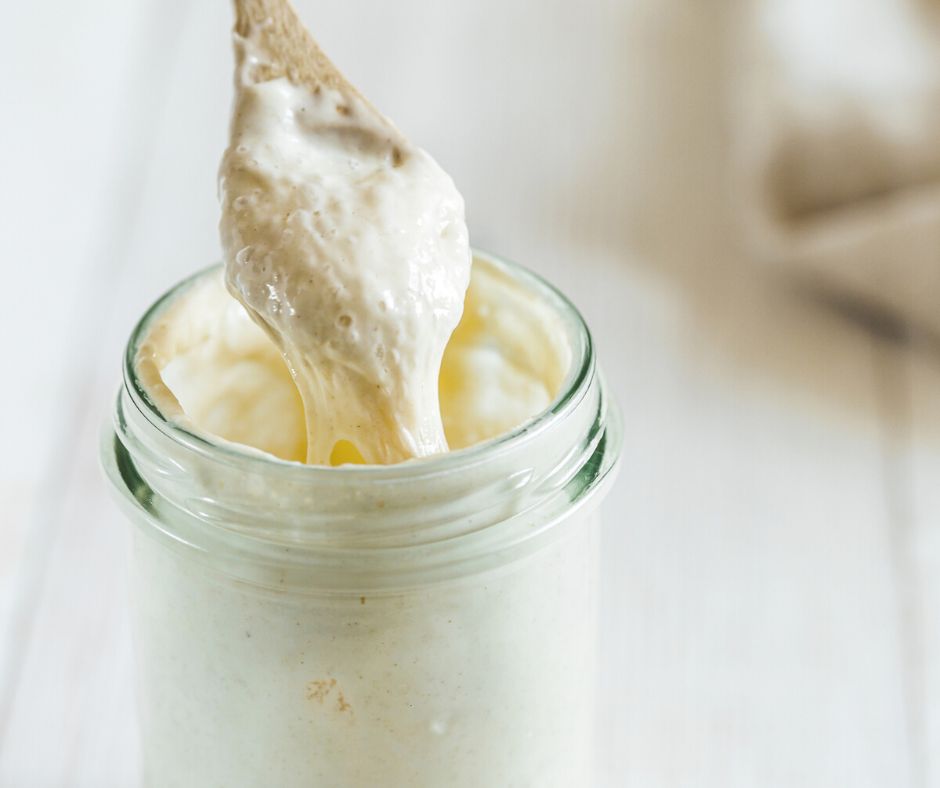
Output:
x,y
574,386
278,524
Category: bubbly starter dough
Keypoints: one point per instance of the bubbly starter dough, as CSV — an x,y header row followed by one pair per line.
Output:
x,y
348,245
221,374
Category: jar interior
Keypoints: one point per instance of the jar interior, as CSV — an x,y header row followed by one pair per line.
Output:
x,y
282,524
220,374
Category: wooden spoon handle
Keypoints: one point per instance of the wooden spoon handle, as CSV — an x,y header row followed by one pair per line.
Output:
x,y
283,47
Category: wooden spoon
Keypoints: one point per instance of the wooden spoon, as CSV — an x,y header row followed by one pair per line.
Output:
x,y
277,33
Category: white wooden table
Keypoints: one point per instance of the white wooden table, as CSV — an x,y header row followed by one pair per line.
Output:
x,y
772,574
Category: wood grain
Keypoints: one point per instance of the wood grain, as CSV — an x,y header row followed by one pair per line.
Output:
x,y
284,48
917,449
65,678
61,170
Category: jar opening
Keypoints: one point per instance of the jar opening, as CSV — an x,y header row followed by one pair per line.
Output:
x,y
490,499
581,369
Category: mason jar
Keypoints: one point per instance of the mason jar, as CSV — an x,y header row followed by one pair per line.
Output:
x,y
431,623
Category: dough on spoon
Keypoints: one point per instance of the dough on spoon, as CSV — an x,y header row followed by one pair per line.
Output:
x,y
344,241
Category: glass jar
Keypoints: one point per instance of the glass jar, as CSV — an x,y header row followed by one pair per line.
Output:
x,y
431,623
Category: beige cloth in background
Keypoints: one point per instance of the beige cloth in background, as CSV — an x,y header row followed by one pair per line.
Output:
x,y
837,146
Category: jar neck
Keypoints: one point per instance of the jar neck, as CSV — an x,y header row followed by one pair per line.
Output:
x,y
274,522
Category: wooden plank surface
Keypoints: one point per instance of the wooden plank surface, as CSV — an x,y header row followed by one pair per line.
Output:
x,y
916,447
66,705
63,156
53,200
770,613
755,636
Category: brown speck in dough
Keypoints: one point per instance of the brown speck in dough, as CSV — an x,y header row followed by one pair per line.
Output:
x,y
343,109
397,158
362,600
318,689
342,704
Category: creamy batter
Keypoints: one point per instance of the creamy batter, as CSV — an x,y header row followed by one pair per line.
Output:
x,y
208,365
348,245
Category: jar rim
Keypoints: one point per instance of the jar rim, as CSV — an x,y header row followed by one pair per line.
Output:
x,y
578,379
277,524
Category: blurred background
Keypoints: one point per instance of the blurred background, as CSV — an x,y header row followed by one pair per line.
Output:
x,y
742,196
